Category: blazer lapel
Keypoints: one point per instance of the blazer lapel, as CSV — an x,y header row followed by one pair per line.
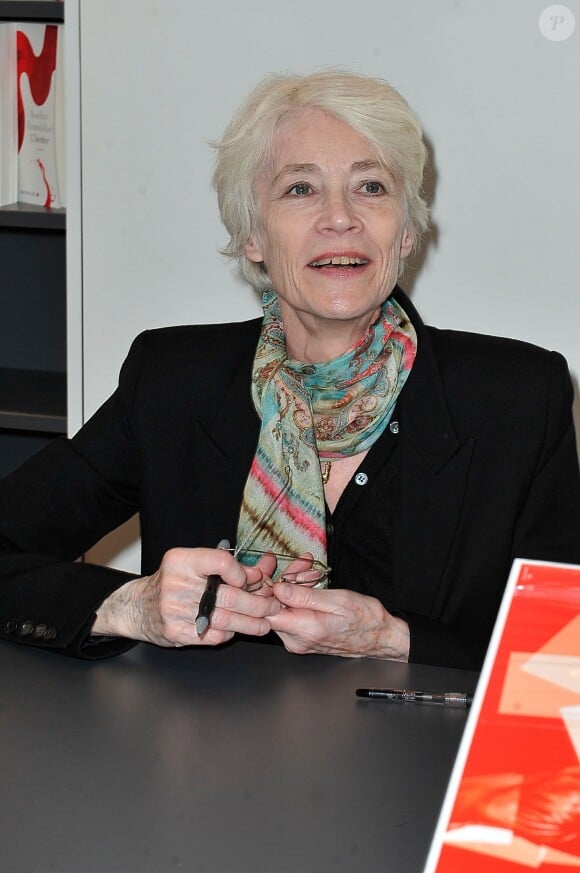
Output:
x,y
433,471
227,442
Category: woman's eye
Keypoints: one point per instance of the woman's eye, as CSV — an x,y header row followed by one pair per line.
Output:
x,y
373,187
300,189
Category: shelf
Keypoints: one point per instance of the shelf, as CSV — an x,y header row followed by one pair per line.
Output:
x,y
32,400
21,215
32,10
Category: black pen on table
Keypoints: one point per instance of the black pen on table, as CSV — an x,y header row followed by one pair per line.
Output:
x,y
406,695
208,598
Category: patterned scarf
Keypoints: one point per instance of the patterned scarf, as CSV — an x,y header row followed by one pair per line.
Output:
x,y
329,409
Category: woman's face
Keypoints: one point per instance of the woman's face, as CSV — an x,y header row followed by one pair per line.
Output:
x,y
330,222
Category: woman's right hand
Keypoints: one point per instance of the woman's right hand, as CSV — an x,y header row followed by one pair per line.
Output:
x,y
162,608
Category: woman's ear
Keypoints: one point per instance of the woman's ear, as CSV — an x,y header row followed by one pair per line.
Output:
x,y
407,240
253,250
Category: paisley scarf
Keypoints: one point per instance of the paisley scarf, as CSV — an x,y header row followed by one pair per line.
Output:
x,y
311,411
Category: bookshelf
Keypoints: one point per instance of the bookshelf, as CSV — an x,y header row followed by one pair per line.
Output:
x,y
32,10
33,353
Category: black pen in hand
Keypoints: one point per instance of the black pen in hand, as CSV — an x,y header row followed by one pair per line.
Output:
x,y
208,598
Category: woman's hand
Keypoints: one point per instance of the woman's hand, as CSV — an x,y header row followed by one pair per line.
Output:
x,y
337,622
162,608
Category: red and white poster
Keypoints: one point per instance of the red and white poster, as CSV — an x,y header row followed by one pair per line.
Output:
x,y
513,802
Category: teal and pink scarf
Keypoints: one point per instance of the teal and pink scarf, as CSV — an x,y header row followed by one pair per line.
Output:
x,y
312,411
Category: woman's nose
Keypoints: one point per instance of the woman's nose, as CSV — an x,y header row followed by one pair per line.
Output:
x,y
337,214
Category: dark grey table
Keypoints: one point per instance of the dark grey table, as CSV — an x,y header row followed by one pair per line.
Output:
x,y
208,761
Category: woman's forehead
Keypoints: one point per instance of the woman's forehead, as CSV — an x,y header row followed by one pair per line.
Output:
x,y
313,138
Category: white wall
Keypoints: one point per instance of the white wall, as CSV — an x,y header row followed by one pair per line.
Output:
x,y
499,105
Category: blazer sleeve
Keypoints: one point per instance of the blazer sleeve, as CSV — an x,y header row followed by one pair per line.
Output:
x,y
55,507
435,642
546,527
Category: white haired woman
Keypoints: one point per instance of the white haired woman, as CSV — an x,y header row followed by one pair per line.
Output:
x,y
395,469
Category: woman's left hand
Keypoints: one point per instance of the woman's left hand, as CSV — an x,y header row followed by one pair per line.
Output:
x,y
337,622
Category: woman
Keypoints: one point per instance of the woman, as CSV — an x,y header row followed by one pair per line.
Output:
x,y
348,432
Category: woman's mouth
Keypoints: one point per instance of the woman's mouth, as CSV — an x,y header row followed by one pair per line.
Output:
x,y
339,261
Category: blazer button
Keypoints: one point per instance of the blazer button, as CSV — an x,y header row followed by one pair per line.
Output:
x,y
10,627
26,628
50,633
39,631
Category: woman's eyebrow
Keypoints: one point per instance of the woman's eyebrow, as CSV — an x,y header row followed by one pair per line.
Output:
x,y
367,165
363,166
292,169
305,168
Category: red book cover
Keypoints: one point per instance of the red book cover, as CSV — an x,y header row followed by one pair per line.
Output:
x,y
40,134
513,802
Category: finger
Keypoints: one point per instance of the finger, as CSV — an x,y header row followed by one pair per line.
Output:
x,y
265,568
245,602
303,597
199,563
258,581
303,577
264,588
182,611
304,562
302,572
223,620
301,630
241,612
267,563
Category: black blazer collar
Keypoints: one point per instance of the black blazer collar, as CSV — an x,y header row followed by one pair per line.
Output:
x,y
236,426
423,405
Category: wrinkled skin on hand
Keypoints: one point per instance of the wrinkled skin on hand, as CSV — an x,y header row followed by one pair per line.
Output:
x,y
162,608
336,622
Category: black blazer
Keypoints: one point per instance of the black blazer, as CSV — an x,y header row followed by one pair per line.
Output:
x,y
488,472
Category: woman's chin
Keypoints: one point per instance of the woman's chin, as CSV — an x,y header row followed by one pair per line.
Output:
x,y
343,307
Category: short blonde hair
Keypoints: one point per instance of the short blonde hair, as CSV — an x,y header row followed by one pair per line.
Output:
x,y
370,106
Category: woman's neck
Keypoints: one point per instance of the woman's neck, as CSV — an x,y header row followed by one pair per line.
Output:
x,y
311,340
